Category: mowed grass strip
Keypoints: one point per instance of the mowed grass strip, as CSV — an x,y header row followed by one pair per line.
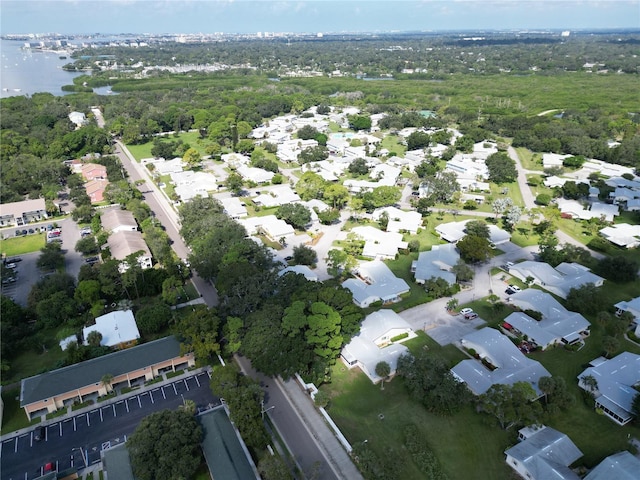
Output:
x,y
21,245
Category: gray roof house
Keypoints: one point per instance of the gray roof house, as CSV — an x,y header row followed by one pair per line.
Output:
x,y
375,282
511,364
559,280
436,263
375,343
616,379
21,213
569,327
543,453
124,243
619,466
633,307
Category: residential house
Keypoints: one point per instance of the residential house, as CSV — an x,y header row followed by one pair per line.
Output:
x,y
379,244
93,171
309,274
620,466
235,160
22,213
613,384
508,364
125,243
569,327
276,196
50,391
543,453
95,189
379,340
255,175
452,232
622,234
559,280
270,226
375,282
606,169
554,181
233,207
189,184
383,175
399,220
633,307
437,263
118,329
550,160
165,167
116,220
78,118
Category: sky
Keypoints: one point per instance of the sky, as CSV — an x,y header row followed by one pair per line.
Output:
x,y
310,16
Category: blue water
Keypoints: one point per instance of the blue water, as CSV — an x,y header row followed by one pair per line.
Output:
x,y
24,72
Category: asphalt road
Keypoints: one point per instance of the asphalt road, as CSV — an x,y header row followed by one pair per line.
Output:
x,y
75,440
297,438
167,217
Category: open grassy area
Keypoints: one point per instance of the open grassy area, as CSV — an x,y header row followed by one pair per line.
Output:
x,y
13,417
143,150
392,143
21,245
356,404
31,363
529,160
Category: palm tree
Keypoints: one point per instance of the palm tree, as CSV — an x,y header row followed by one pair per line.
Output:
x,y
383,370
452,304
590,382
106,380
94,338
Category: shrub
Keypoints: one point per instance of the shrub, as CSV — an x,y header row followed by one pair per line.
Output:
x,y
543,199
397,338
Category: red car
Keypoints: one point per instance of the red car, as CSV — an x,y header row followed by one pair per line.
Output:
x,y
48,467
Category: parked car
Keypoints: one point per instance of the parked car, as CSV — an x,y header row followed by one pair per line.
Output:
x,y
39,433
288,258
48,467
32,231
512,289
92,259
13,260
471,316
466,311
10,265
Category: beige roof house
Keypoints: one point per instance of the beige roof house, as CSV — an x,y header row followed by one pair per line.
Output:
x,y
124,243
117,220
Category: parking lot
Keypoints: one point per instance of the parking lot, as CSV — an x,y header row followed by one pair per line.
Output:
x,y
78,440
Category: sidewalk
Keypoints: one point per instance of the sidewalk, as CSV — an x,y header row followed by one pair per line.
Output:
x,y
340,460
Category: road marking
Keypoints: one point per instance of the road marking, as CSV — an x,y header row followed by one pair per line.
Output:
x,y
174,389
139,402
88,422
114,409
163,395
60,428
106,445
186,384
101,419
31,440
16,447
74,424
197,381
151,397
126,404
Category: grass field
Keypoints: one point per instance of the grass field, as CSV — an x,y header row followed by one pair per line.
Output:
x,y
21,245
30,363
192,138
529,160
13,417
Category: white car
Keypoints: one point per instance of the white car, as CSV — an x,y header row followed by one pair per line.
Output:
x,y
466,311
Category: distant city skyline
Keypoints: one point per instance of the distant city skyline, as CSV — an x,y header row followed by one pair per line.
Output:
x,y
244,16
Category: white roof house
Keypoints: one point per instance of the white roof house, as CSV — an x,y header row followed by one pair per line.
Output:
x,y
452,232
276,196
622,465
399,220
233,207
374,282
543,453
511,364
436,263
300,270
379,244
235,160
65,342
78,118
269,225
615,390
118,329
255,175
622,234
383,175
565,325
166,167
374,343
535,332
553,159
559,280
554,181
191,184
632,306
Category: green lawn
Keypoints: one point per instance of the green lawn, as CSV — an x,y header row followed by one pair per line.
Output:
x,y
356,404
192,138
13,417
401,267
529,160
21,245
392,143
31,363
